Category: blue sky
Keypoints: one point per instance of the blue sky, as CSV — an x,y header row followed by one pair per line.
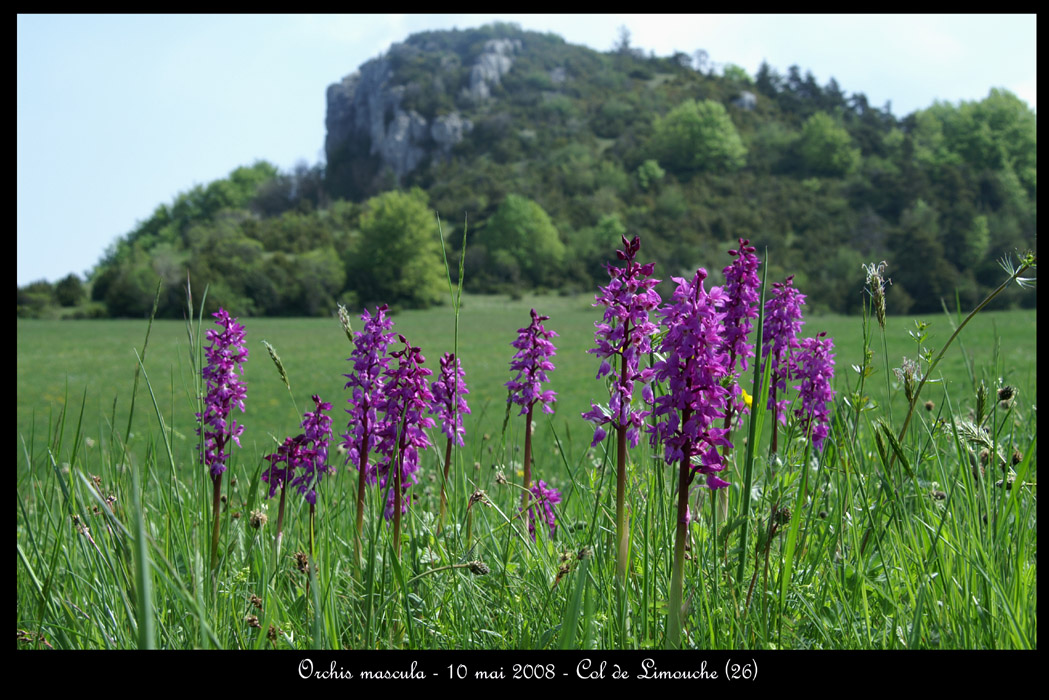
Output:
x,y
120,113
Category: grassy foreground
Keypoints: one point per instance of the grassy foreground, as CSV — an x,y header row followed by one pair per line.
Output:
x,y
887,546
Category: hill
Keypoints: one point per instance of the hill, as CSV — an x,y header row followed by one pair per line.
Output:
x,y
551,151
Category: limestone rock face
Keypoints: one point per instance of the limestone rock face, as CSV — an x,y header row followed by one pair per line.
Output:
x,y
491,66
747,100
365,113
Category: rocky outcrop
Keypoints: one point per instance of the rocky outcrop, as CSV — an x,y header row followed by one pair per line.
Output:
x,y
365,114
746,100
493,63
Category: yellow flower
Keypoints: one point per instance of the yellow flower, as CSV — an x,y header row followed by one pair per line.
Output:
x,y
747,398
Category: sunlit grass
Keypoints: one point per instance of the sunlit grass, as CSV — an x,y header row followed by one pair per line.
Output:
x,y
876,558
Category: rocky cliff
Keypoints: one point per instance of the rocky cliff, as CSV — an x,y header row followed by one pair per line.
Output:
x,y
368,118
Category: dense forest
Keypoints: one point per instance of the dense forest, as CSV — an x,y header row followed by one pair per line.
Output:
x,y
576,147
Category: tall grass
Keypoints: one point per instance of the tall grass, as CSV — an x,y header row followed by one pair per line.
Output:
x,y
891,538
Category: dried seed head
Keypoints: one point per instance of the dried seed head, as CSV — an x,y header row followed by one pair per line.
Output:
x,y
782,516
929,405
256,601
257,519
236,515
271,634
478,568
500,478
1017,457
252,621
938,495
583,553
909,375
302,562
478,496
985,456
1007,483
280,365
1006,393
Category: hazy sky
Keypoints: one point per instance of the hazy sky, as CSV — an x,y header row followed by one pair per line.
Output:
x,y
118,114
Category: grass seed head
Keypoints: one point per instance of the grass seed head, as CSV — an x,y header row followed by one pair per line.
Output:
x,y
344,321
876,282
280,365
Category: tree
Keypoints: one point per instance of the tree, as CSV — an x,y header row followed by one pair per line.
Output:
x,y
622,44
826,148
521,231
698,136
131,291
649,173
918,259
35,298
399,259
735,74
69,291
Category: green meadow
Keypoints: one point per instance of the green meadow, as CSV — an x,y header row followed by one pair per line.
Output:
x,y
914,552
66,363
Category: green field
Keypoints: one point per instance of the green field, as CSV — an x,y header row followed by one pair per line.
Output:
x,y
58,361
877,556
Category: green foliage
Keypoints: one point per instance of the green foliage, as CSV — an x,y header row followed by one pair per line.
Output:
x,y
69,291
827,579
698,136
35,298
826,148
130,292
813,173
649,173
735,74
521,236
921,271
399,259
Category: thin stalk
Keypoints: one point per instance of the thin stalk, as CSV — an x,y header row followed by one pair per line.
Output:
x,y
216,503
622,529
397,490
677,575
313,509
444,480
280,523
673,640
361,483
527,458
